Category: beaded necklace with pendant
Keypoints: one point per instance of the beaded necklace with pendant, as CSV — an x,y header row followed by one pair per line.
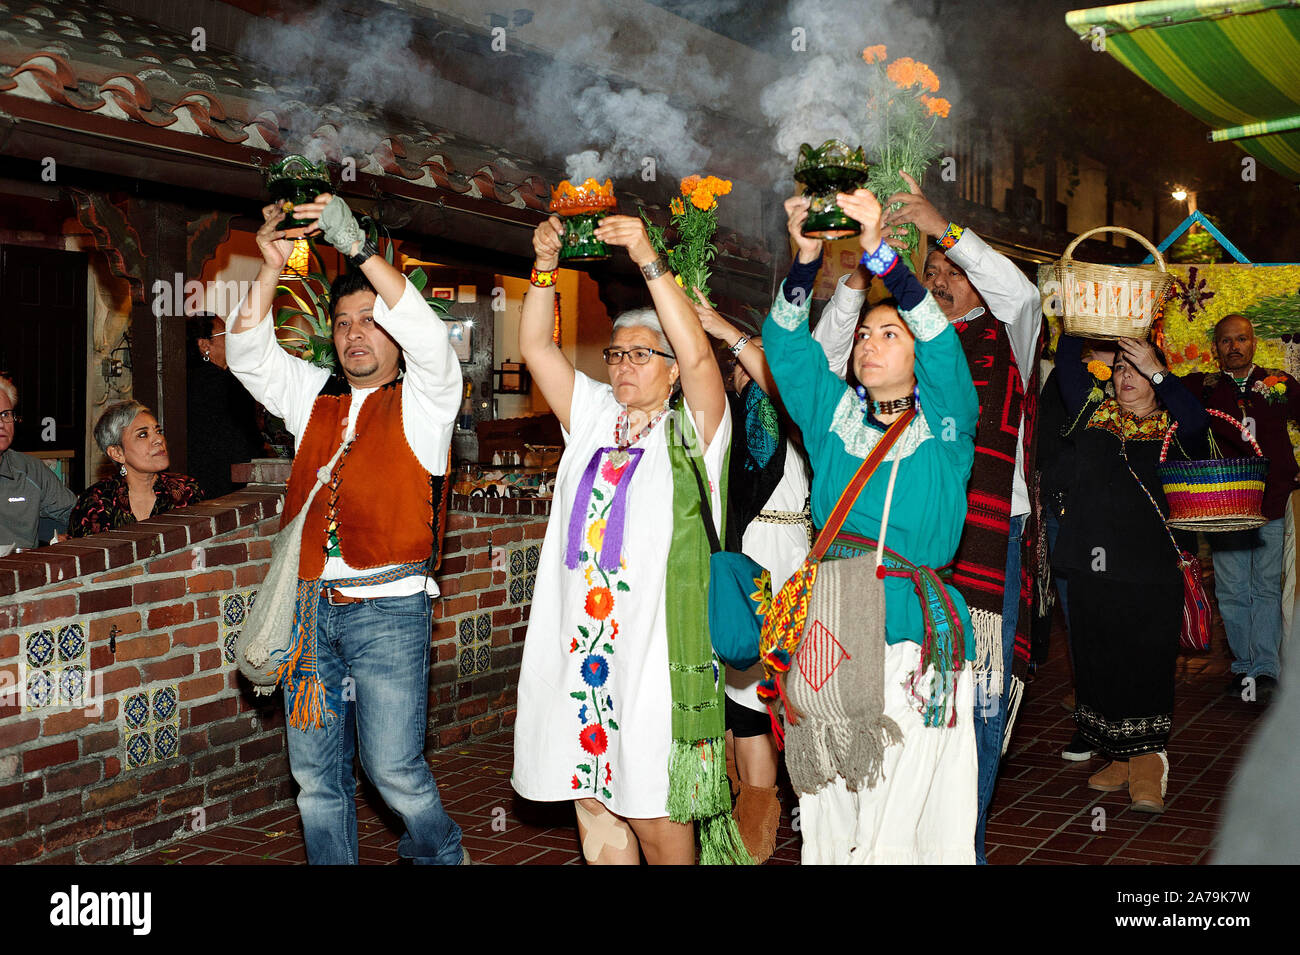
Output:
x,y
619,457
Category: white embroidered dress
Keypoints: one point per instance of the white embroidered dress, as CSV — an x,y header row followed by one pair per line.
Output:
x,y
594,714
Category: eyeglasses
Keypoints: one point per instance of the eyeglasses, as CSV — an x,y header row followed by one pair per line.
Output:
x,y
639,356
7,416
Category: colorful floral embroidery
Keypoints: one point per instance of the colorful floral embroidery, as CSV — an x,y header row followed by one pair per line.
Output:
x,y
593,648
599,603
1122,424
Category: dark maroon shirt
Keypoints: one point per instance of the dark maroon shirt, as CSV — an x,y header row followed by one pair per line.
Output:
x,y
107,505
1217,390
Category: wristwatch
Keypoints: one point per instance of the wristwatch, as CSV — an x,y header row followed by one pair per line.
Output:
x,y
1158,377
366,251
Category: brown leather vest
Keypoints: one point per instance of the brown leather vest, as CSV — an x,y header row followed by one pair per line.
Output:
x,y
389,508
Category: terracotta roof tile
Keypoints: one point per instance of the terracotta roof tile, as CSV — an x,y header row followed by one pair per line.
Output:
x,y
79,55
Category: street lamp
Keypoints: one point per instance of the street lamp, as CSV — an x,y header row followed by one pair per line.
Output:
x,y
1179,193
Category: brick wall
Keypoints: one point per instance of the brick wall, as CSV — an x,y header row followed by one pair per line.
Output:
x,y
124,722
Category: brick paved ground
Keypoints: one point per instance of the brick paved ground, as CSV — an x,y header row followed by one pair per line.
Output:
x,y
1043,812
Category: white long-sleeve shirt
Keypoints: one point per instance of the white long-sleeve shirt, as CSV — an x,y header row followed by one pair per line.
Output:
x,y
1012,297
431,396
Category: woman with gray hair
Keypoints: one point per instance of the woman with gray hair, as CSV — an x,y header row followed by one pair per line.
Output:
x,y
621,700
131,436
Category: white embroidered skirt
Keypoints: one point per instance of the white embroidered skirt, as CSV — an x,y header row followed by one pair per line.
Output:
x,y
922,812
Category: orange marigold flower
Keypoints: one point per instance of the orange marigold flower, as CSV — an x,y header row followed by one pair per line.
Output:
x,y
701,198
1191,351
874,54
676,207
937,105
902,71
689,184
1175,359
599,603
719,187
1099,370
925,76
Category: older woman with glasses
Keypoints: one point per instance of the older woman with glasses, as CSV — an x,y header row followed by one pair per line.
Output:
x,y
131,436
621,702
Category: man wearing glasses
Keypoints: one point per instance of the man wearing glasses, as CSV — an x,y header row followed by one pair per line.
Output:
x,y
29,490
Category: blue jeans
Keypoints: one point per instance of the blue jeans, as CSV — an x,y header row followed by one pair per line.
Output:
x,y
374,660
1248,585
990,713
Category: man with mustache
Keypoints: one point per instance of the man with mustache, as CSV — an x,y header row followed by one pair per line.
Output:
x,y
1248,564
998,314
372,446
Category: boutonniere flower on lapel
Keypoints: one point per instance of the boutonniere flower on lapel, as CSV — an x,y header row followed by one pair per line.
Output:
x,y
1272,388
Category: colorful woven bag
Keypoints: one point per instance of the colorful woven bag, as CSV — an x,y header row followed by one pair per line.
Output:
x,y
1195,632
783,626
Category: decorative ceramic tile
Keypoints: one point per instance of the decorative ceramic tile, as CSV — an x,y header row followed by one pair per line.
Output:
x,y
52,667
233,608
532,557
139,750
474,635
135,710
466,661
166,743
72,643
150,726
40,648
163,704
72,686
516,562
41,689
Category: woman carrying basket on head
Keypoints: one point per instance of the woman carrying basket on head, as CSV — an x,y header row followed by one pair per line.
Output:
x,y
1126,594
884,760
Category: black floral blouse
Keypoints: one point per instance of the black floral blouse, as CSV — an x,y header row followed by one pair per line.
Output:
x,y
107,505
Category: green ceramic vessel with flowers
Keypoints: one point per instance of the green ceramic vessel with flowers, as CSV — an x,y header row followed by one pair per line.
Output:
x,y
830,168
296,179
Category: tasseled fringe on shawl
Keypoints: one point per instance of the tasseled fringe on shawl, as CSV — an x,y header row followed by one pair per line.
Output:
x,y
988,640
829,749
698,792
1014,697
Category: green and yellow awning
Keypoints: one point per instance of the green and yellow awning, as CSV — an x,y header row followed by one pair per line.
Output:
x,y
1234,64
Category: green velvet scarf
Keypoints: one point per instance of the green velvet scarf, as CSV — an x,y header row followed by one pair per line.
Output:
x,y
697,772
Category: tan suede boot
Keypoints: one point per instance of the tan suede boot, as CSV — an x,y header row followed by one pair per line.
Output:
x,y
1148,777
733,774
758,814
1112,778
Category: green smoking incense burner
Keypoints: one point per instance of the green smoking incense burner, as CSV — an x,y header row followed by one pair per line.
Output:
x,y
833,167
295,179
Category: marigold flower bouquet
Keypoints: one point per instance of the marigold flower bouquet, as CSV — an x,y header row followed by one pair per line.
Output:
x,y
695,217
902,115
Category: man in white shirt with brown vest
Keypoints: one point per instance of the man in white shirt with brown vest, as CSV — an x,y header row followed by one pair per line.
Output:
x,y
356,674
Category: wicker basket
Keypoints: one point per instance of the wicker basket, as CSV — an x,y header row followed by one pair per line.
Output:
x,y
1111,301
1219,494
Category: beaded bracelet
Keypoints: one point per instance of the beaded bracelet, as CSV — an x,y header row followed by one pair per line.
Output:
x,y
951,236
879,261
543,279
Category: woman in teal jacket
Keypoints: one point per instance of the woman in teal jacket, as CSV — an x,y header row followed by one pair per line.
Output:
x,y
920,807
